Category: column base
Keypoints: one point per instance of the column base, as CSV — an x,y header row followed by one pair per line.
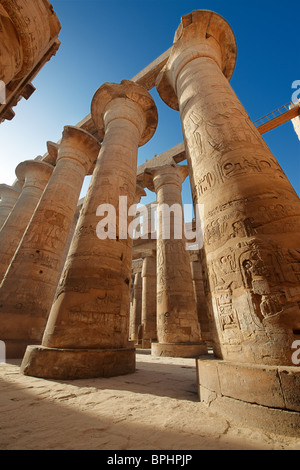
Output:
x,y
178,349
144,344
261,396
69,364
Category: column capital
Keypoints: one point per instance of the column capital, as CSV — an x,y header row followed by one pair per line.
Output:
x,y
169,174
139,193
34,173
129,93
52,148
201,33
8,193
78,144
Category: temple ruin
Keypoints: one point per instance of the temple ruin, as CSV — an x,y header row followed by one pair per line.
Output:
x,y
84,305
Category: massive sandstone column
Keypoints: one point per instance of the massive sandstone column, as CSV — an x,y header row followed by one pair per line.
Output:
x,y
8,198
87,330
38,261
197,277
178,330
148,319
136,307
252,224
35,175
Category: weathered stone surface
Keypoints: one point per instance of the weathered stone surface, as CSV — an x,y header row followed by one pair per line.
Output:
x,y
149,300
260,395
177,320
38,261
56,364
196,268
91,307
28,39
35,176
290,379
8,198
252,259
136,308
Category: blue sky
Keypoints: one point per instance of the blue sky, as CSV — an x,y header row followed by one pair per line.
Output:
x,y
112,40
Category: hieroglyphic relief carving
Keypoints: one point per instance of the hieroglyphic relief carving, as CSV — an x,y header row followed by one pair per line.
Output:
x,y
213,132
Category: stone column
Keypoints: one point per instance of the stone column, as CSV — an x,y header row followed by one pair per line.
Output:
x,y
38,261
149,301
35,175
178,330
136,309
197,277
252,224
87,330
151,230
8,198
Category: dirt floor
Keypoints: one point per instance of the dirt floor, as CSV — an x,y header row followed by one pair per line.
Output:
x,y
156,408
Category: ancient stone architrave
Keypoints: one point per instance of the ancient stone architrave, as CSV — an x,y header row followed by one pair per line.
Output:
x,y
38,261
28,39
252,222
148,315
178,330
87,330
35,176
8,198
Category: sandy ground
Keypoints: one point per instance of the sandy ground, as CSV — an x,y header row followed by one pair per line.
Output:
x,y
156,408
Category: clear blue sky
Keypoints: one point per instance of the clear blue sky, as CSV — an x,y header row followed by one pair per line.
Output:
x,y
111,40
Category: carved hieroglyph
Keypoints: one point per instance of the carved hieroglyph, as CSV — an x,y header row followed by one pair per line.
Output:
x,y
8,198
37,263
178,329
90,313
35,175
252,222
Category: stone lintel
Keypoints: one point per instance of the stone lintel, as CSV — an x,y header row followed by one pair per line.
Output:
x,y
170,157
147,76
137,266
144,253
